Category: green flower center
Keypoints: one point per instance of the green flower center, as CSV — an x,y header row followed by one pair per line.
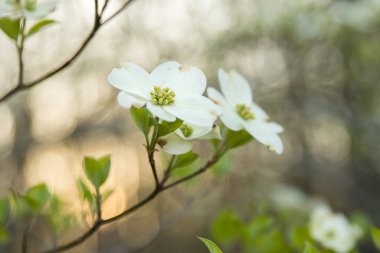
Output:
x,y
162,96
186,130
244,112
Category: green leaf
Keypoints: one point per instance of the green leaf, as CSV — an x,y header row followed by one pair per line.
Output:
x,y
37,197
4,210
309,248
41,24
106,194
4,236
166,128
375,232
235,139
298,237
143,119
223,166
11,27
228,228
85,192
184,160
212,247
97,170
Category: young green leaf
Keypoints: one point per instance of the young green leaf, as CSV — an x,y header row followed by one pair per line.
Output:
x,y
11,27
309,248
375,232
143,119
39,25
85,192
4,210
37,197
166,128
228,228
235,139
184,160
97,170
4,236
212,247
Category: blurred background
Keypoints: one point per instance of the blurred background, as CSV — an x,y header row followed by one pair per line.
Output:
x,y
314,66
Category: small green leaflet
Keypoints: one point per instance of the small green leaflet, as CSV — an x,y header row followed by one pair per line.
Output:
x,y
166,128
143,119
11,27
97,170
309,248
375,233
184,160
41,24
212,247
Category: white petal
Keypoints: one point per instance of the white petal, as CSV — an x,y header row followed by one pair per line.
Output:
x,y
229,117
235,88
213,134
176,146
159,112
127,100
198,131
263,132
258,112
182,80
131,79
41,10
197,110
276,128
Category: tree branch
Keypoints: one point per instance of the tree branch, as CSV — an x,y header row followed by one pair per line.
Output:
x,y
97,25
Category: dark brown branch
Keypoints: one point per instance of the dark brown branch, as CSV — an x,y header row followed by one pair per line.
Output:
x,y
97,25
135,207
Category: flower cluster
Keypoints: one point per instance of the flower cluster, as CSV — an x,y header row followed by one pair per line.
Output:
x,y
333,230
174,92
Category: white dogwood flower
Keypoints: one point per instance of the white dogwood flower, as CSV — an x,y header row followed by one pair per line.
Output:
x,y
171,91
30,9
240,112
332,230
180,142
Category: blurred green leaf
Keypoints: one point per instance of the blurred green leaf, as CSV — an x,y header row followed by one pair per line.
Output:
x,y
166,128
258,224
375,233
4,210
223,166
184,160
236,139
39,25
299,236
106,194
363,221
97,170
212,247
11,27
4,236
85,192
143,119
227,228
309,248
37,197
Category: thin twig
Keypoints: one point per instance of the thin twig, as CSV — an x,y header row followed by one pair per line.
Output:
x,y
25,237
97,25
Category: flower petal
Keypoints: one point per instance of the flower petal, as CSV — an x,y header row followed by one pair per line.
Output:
x,y
258,112
264,133
197,110
176,146
41,10
182,80
235,88
158,111
127,100
229,117
198,131
132,79
213,134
